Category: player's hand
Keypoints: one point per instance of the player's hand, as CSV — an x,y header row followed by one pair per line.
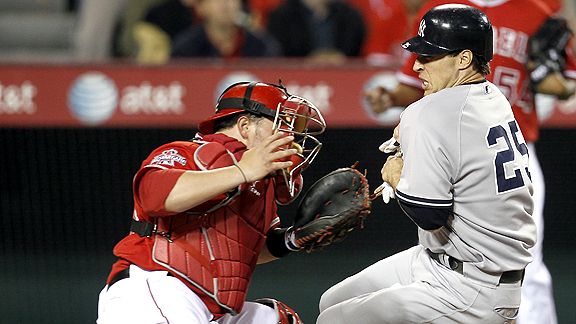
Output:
x,y
392,169
557,85
379,99
267,157
396,133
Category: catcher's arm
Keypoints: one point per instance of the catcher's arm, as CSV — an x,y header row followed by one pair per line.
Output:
x,y
547,59
332,207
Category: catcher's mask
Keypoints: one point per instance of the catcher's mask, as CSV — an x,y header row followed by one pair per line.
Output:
x,y
291,114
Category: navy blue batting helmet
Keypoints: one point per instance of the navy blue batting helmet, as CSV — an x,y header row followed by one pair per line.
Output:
x,y
450,28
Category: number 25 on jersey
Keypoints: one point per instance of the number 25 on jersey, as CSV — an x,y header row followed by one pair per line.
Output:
x,y
511,157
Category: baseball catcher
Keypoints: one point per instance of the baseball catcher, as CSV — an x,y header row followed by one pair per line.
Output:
x,y
205,213
332,207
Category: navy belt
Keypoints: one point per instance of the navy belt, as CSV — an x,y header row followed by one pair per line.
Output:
x,y
507,277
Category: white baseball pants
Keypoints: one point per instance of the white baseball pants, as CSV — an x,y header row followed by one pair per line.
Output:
x,y
154,297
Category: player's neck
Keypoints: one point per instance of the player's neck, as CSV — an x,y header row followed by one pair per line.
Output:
x,y
470,79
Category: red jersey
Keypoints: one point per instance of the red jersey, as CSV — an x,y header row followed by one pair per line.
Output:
x,y
555,5
514,21
211,249
386,22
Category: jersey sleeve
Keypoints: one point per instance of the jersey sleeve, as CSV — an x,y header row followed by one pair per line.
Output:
x,y
153,189
426,175
406,75
430,142
424,191
570,70
158,175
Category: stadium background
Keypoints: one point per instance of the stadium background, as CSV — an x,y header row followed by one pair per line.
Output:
x,y
65,196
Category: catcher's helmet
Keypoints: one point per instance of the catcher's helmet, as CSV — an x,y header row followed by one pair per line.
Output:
x,y
291,114
453,27
268,100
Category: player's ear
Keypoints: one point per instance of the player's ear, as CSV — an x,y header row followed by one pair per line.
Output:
x,y
465,59
242,124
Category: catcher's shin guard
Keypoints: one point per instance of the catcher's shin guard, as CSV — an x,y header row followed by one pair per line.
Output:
x,y
286,315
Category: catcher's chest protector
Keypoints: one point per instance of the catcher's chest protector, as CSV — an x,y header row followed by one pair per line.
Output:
x,y
217,252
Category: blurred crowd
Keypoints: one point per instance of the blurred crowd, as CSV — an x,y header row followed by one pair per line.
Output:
x,y
326,31
157,31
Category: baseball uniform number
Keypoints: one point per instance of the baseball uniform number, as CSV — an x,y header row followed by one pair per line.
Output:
x,y
507,156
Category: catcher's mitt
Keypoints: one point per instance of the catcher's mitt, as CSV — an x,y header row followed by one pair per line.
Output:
x,y
331,208
546,49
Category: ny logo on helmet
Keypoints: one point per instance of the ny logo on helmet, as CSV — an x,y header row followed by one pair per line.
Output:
x,y
421,28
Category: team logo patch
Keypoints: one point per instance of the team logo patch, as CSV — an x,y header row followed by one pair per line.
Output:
x,y
169,157
421,28
255,191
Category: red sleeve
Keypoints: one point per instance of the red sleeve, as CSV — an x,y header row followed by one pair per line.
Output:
x,y
383,15
555,5
153,189
158,175
406,75
570,71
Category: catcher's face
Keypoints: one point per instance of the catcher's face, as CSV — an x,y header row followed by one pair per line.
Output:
x,y
257,129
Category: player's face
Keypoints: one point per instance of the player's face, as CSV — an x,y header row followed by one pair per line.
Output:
x,y
436,73
259,129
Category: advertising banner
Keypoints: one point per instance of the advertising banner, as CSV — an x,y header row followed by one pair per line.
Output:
x,y
181,96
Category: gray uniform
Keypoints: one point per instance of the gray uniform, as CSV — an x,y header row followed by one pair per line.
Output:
x,y
462,150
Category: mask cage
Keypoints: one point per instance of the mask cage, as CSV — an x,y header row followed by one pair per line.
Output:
x,y
298,117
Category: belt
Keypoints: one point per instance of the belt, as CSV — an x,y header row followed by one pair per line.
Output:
x,y
123,274
507,277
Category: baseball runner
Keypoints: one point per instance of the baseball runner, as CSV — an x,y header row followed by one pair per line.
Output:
x,y
205,214
463,179
516,24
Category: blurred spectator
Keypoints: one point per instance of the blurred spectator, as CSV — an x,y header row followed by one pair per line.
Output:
x,y
155,33
386,22
327,30
95,30
172,16
135,10
259,11
223,33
